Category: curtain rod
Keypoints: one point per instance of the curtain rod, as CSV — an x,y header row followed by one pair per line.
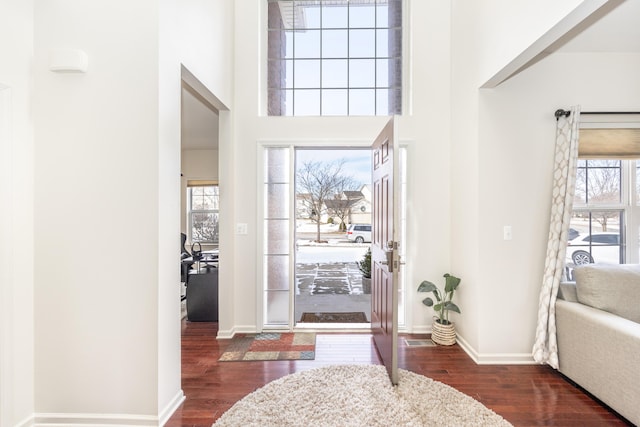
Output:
x,y
560,112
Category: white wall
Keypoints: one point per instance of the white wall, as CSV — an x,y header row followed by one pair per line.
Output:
x,y
425,130
516,139
502,146
16,213
96,192
107,162
486,37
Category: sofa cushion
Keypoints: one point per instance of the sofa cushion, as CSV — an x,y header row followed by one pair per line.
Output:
x,y
612,288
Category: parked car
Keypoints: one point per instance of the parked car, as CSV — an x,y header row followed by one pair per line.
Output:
x,y
594,248
359,233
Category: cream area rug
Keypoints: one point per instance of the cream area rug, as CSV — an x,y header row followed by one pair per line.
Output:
x,y
357,395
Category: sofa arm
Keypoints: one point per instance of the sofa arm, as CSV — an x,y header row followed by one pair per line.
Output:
x,y
599,351
568,291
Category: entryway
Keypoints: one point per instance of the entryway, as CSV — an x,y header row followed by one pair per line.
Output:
x,y
311,268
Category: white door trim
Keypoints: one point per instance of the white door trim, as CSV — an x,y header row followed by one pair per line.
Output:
x,y
6,257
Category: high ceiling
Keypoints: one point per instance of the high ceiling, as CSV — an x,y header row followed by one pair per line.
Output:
x,y
618,31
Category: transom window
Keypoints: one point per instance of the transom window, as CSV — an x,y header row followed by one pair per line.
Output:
x,y
334,57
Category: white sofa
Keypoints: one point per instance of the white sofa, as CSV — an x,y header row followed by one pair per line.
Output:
x,y
598,331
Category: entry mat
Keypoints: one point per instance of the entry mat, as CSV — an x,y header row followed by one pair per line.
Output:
x,y
271,346
352,317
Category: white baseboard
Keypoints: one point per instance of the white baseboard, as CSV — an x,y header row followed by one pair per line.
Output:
x,y
93,420
495,358
171,407
104,420
229,333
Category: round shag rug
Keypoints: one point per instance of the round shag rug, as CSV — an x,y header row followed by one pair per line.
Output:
x,y
357,395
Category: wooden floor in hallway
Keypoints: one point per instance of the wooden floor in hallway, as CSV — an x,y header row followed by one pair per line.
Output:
x,y
525,395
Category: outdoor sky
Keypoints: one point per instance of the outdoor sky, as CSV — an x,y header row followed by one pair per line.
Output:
x,y
358,161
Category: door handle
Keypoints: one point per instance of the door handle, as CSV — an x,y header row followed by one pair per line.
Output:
x,y
389,261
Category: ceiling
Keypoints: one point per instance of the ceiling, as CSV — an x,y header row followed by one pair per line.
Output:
x,y
199,122
618,31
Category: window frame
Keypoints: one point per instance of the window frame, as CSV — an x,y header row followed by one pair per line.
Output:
x,y
401,105
191,212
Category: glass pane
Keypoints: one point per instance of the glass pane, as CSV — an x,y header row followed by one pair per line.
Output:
x,y
276,165
382,102
277,272
603,182
382,73
311,12
277,200
288,76
362,43
334,17
307,74
382,14
276,236
362,102
334,44
277,308
204,227
362,16
595,237
382,43
334,73
334,102
288,45
362,73
307,102
307,44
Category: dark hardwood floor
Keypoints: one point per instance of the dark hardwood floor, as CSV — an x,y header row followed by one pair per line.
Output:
x,y
525,395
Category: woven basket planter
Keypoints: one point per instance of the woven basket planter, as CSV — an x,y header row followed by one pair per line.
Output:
x,y
443,334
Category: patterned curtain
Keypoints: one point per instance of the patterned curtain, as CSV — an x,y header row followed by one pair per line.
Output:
x,y
545,349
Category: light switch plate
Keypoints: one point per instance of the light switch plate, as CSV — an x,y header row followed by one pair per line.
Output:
x,y
507,234
241,228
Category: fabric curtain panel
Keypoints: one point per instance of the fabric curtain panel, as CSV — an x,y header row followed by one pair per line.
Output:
x,y
545,349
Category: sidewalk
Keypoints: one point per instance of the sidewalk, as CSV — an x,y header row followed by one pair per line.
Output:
x,y
329,288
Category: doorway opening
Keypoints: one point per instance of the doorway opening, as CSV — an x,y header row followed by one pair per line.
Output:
x,y
332,237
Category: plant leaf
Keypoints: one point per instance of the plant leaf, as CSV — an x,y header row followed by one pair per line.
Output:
x,y
451,306
451,282
438,307
428,302
427,286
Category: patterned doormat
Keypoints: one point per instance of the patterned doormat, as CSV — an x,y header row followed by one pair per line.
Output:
x,y
271,346
353,317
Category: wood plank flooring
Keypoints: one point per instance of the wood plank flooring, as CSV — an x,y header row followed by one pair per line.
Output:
x,y
529,395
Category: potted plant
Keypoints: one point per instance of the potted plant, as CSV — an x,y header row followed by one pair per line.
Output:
x,y
364,266
443,331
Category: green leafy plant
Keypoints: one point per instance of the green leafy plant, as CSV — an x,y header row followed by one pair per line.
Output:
x,y
365,264
442,304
